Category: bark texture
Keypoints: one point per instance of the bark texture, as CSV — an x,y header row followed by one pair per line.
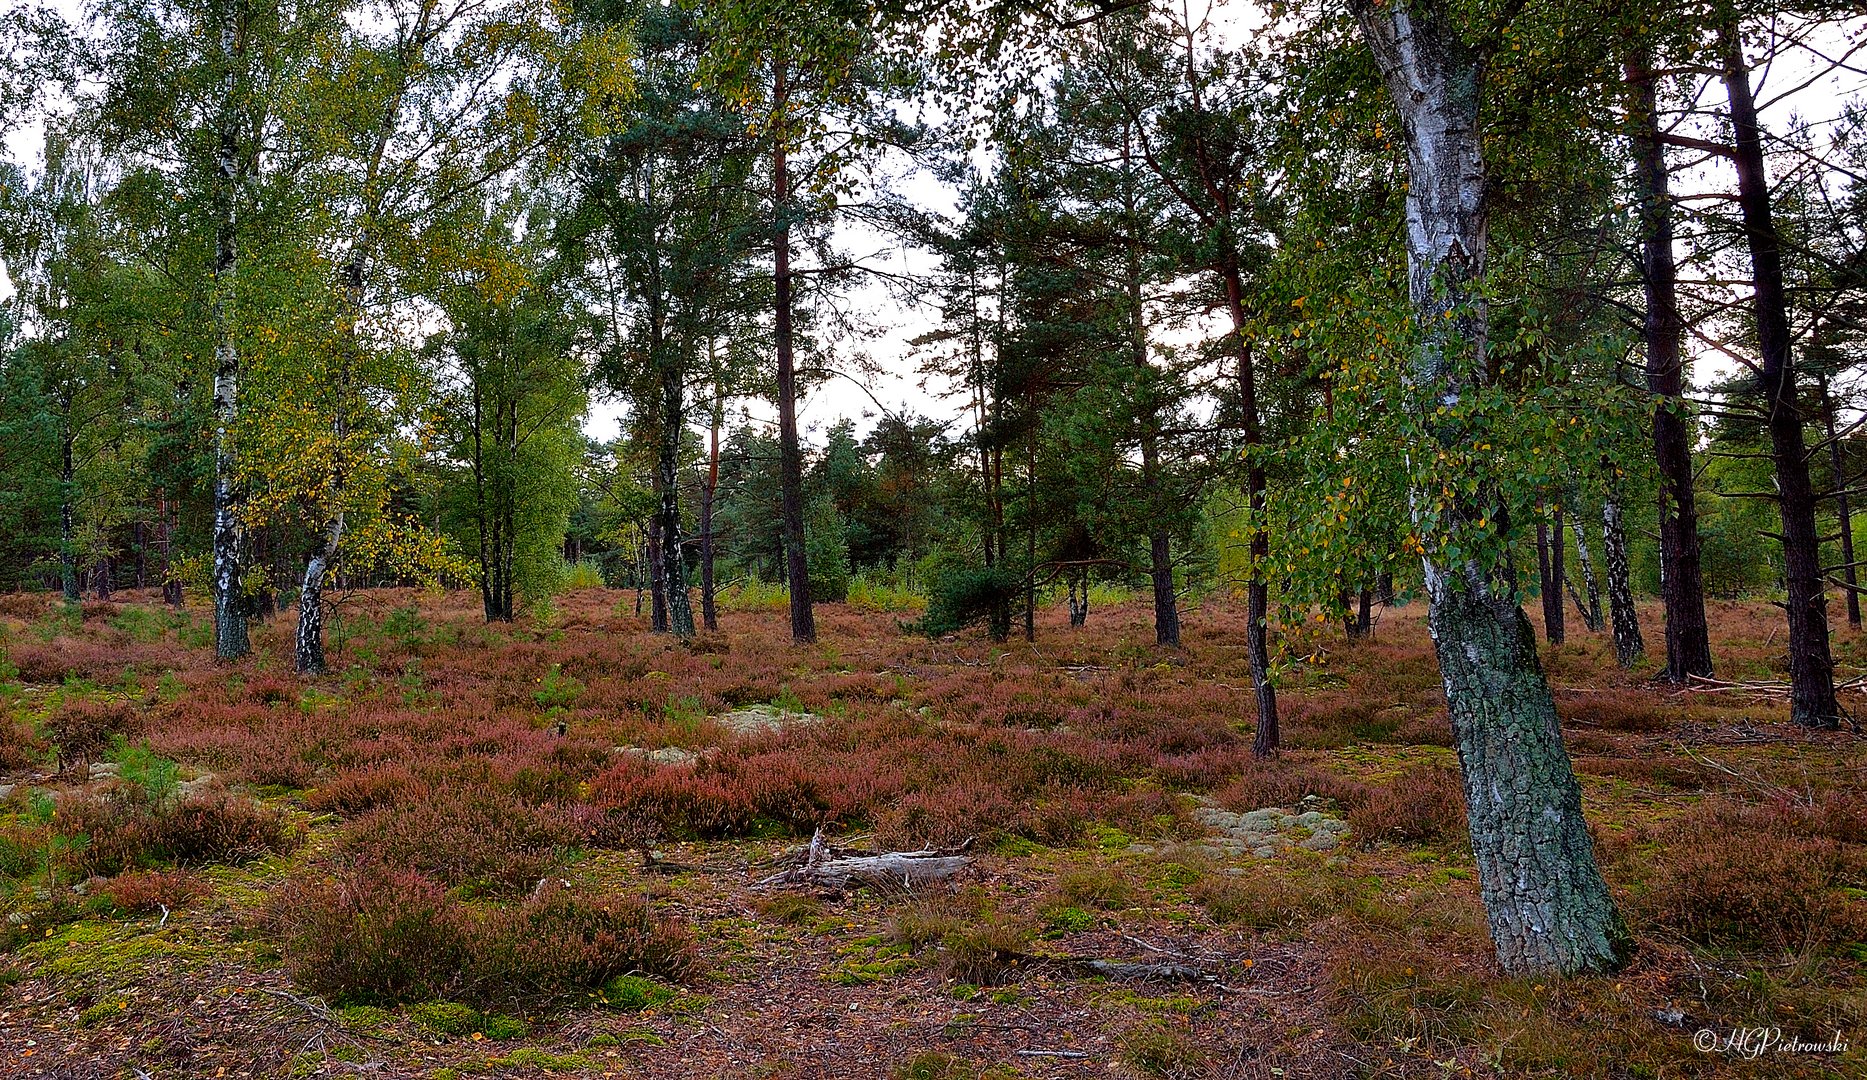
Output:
x,y
230,607
1548,907
790,455
1682,579
1588,602
1811,668
1629,645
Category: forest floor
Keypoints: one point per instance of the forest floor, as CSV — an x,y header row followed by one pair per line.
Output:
x,y
536,849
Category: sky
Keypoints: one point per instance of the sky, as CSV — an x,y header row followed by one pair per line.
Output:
x,y
890,380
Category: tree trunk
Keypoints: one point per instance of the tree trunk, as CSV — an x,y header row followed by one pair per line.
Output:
x,y
1682,579
790,455
673,559
657,579
1548,907
1266,739
67,520
1160,548
1549,574
1591,609
709,613
1845,513
1628,644
1811,669
1079,597
1364,614
230,607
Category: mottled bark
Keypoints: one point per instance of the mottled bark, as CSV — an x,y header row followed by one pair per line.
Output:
x,y
1811,668
1682,579
230,606
1079,597
1588,601
1628,644
1548,907
673,558
790,454
657,579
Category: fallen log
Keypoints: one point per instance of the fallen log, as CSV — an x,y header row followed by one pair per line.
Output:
x,y
1083,966
829,867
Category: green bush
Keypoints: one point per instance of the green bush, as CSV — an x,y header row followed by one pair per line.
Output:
x,y
964,596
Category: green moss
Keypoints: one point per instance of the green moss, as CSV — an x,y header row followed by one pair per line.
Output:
x,y
367,1019
540,1059
102,1011
633,993
499,1027
1069,919
602,1039
445,1017
100,955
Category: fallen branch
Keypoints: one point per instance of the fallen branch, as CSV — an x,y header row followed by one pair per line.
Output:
x,y
830,867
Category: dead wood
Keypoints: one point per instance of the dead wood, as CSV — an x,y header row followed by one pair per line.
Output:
x,y
830,867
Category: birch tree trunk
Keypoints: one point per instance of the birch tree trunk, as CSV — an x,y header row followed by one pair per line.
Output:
x,y
1591,585
1548,907
1811,668
673,561
1628,644
230,607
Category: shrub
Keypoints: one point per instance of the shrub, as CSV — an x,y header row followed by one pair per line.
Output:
x,y
984,951
1263,899
1425,804
474,836
1157,1050
1750,876
80,730
1284,783
140,891
123,828
373,934
962,596
370,933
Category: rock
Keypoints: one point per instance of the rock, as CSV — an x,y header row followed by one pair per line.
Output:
x,y
104,770
6,790
758,719
665,755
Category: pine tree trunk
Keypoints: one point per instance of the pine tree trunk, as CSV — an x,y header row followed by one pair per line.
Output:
x,y
1364,615
709,613
1811,668
67,520
1843,511
1548,907
1267,739
1628,644
1549,581
1682,579
790,454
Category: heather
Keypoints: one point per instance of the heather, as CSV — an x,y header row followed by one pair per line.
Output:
x,y
548,835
